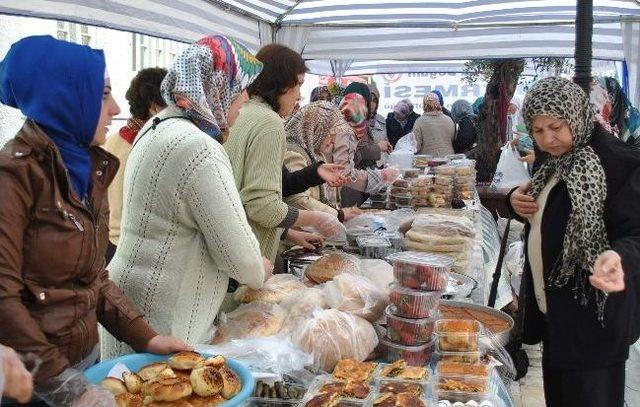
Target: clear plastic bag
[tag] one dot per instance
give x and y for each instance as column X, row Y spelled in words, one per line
column 300, row 308
column 437, row 243
column 71, row 388
column 257, row 319
column 330, row 265
column 268, row 358
column 395, row 219
column 356, row 295
column 407, row 143
column 275, row 289
column 444, row 225
column 379, row 272
column 366, row 221
column 333, row 335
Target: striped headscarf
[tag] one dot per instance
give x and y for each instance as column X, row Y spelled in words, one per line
column 206, row 78
column 354, row 109
column 309, row 127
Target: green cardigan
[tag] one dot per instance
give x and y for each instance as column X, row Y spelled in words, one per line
column 256, row 148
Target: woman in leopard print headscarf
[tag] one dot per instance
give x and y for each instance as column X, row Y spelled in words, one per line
column 582, row 275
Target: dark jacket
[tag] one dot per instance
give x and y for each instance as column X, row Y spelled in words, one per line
column 299, row 181
column 573, row 337
column 367, row 154
column 395, row 130
column 54, row 288
column 466, row 136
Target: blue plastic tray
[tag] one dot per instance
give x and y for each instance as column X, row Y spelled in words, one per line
column 95, row 374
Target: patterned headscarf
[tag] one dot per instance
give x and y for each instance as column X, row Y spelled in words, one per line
column 309, row 127
column 431, row 103
column 581, row 170
column 402, row 110
column 319, row 92
column 460, row 109
column 354, row 109
column 205, row 79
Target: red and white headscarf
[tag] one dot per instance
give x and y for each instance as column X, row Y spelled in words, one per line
column 354, row 110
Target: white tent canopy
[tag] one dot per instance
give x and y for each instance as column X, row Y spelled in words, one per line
column 372, row 36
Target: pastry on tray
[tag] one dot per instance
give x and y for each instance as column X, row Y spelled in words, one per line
column 398, row 387
column 349, row 369
column 400, row 370
column 466, row 369
column 324, row 400
column 398, row 400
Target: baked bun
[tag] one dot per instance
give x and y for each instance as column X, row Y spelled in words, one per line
column 129, row 400
column 327, row 267
column 149, row 372
column 356, row 295
column 197, row 401
column 183, row 374
column 133, row 382
column 275, row 289
column 177, row 403
column 115, row 386
column 169, row 389
column 215, row 362
column 206, row 381
column 231, row 383
column 185, row 360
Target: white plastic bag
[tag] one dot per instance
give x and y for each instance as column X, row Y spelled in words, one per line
column 511, row 172
column 356, row 295
column 407, row 143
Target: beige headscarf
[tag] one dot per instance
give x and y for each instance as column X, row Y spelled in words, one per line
column 431, row 103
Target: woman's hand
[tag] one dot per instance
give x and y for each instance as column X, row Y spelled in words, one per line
column 608, row 275
column 529, row 158
column 268, row 268
column 389, row 174
column 304, row 239
column 523, row 204
column 350, row 213
column 332, row 174
column 385, row 146
column 163, row 345
column 18, row 382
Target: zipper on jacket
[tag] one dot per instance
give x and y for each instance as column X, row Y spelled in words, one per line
column 83, row 346
column 73, row 219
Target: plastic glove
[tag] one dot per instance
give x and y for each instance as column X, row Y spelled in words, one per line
column 389, row 175
column 16, row 381
column 329, row 226
column 71, row 388
column 96, row 396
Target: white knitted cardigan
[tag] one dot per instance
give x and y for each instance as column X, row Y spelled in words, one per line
column 184, row 232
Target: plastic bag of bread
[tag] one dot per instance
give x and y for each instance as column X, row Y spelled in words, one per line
column 332, row 335
column 379, row 272
column 436, row 243
column 256, row 319
column 443, row 225
column 275, row 289
column 300, row 307
column 330, row 265
column 356, row 295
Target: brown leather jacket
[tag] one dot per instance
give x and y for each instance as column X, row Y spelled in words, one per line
column 54, row 288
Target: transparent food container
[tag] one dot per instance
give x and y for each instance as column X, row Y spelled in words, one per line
column 461, row 388
column 460, row 357
column 401, row 200
column 395, row 238
column 436, row 162
column 374, row 247
column 457, row 335
column 419, row 270
column 324, row 385
column 415, row 304
column 411, row 172
column 413, row 355
column 408, row 331
column 354, row 234
column 421, row 160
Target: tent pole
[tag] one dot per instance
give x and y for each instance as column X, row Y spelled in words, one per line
column 584, row 44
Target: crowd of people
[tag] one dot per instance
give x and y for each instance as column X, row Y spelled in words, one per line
column 219, row 168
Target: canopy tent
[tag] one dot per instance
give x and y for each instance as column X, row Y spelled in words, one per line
column 345, row 37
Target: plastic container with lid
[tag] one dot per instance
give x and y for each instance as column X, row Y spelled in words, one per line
column 408, row 331
column 460, row 357
column 402, row 200
column 447, row 169
column 457, row 335
column 410, row 303
column 355, row 233
column 436, row 162
column 413, row 355
column 419, row 270
column 411, row 172
column 461, row 388
column 327, row 384
column 374, row 247
column 421, row 160
column 423, row 181
column 397, row 386
column 395, row 238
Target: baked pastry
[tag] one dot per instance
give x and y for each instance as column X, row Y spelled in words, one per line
column 115, row 386
column 275, row 289
column 465, row 369
column 129, row 400
column 151, row 371
column 206, row 381
column 356, row 295
column 462, row 385
column 397, row 387
column 183, row 374
column 185, row 360
column 408, row 400
column 356, row 390
column 413, row 373
column 393, row 369
column 169, row 389
column 256, row 319
column 327, row 267
column 492, row 322
column 230, row 383
column 349, row 369
column 457, row 335
column 177, row 403
column 332, row 335
column 132, row 381
column 301, row 306
column 214, row 361
column 324, row 400
column 333, row 387
column 197, row 401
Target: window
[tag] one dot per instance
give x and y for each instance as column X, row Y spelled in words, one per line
column 60, row 25
column 159, row 58
column 143, row 59
column 84, row 29
column 73, row 37
column 63, row 35
column 86, row 39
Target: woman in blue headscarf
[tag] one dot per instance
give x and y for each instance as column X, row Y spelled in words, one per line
column 467, row 129
column 54, row 288
column 441, row 100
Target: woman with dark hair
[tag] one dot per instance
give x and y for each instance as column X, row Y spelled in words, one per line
column 400, row 122
column 54, row 288
column 581, row 281
column 256, row 149
column 145, row 101
column 467, row 130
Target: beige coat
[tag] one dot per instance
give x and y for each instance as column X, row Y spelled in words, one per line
column 310, row 199
column 434, row 133
column 119, row 147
